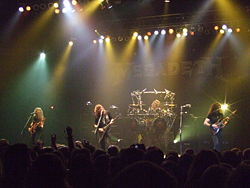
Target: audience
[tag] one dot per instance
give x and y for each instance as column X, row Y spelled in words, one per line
column 80, row 164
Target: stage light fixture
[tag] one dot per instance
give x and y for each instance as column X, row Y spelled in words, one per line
column 230, row 30
column 43, row 6
column 94, row 41
column 146, row 37
column 74, row 2
column 139, row 37
column 156, row 32
column 185, row 30
column 184, row 34
column 135, row 34
column 222, row 31
column 171, row 31
column 102, row 37
column 216, row 28
column 56, row 5
column 224, row 107
column 21, row 9
column 163, row 32
column 28, row 8
column 42, row 55
column 192, row 33
column 71, row 43
column 224, row 27
column 57, row 11
column 100, row 41
column 120, row 38
column 178, row 35
column 107, row 39
column 64, row 10
column 238, row 30
column 149, row 33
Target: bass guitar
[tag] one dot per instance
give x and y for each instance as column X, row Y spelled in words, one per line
column 221, row 123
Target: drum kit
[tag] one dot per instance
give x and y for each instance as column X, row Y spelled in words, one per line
column 156, row 117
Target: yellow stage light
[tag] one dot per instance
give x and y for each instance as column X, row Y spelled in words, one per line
column 74, row 2
column 146, row 37
column 56, row 5
column 178, row 35
column 184, row 30
column 238, row 30
column 57, row 11
column 71, row 43
column 216, row 28
column 224, row 107
column 171, row 31
column 107, row 39
column 28, row 8
column 135, row 34
column 222, row 31
column 94, row 41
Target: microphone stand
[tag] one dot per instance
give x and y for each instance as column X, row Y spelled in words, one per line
column 180, row 129
column 26, row 124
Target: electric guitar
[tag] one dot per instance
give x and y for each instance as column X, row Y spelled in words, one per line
column 106, row 129
column 34, row 125
column 221, row 123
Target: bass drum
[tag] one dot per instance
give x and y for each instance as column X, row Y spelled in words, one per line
column 159, row 126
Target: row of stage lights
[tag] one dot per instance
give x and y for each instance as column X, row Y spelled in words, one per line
column 67, row 6
column 183, row 33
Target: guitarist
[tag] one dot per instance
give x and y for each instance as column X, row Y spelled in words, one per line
column 213, row 121
column 37, row 124
column 102, row 119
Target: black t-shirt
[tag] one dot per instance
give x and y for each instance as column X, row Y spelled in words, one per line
column 214, row 117
column 104, row 119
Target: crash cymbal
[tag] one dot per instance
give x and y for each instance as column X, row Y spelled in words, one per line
column 170, row 104
column 136, row 105
column 113, row 107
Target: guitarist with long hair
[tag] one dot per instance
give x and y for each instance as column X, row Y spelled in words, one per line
column 103, row 120
column 215, row 121
column 37, row 124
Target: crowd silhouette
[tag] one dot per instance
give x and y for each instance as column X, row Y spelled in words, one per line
column 80, row 164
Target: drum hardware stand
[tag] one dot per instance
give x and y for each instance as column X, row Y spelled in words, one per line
column 181, row 122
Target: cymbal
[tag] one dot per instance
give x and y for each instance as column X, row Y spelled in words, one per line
column 136, row 105
column 170, row 104
column 113, row 107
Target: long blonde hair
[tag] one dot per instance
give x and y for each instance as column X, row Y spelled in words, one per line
column 98, row 108
column 39, row 113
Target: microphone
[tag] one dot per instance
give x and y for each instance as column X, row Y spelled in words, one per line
column 32, row 113
column 187, row 105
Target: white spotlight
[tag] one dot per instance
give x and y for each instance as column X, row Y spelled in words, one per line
column 64, row 10
column 100, row 41
column 224, row 27
column 139, row 37
column 230, row 30
column 21, row 9
column 102, row 37
column 42, row 55
column 163, row 32
column 156, row 32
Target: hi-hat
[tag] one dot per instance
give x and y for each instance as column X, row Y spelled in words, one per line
column 113, row 107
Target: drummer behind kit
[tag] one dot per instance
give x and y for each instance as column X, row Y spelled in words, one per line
column 157, row 120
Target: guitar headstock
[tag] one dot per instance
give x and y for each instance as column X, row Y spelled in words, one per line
column 234, row 112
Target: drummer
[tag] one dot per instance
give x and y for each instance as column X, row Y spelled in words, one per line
column 155, row 106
